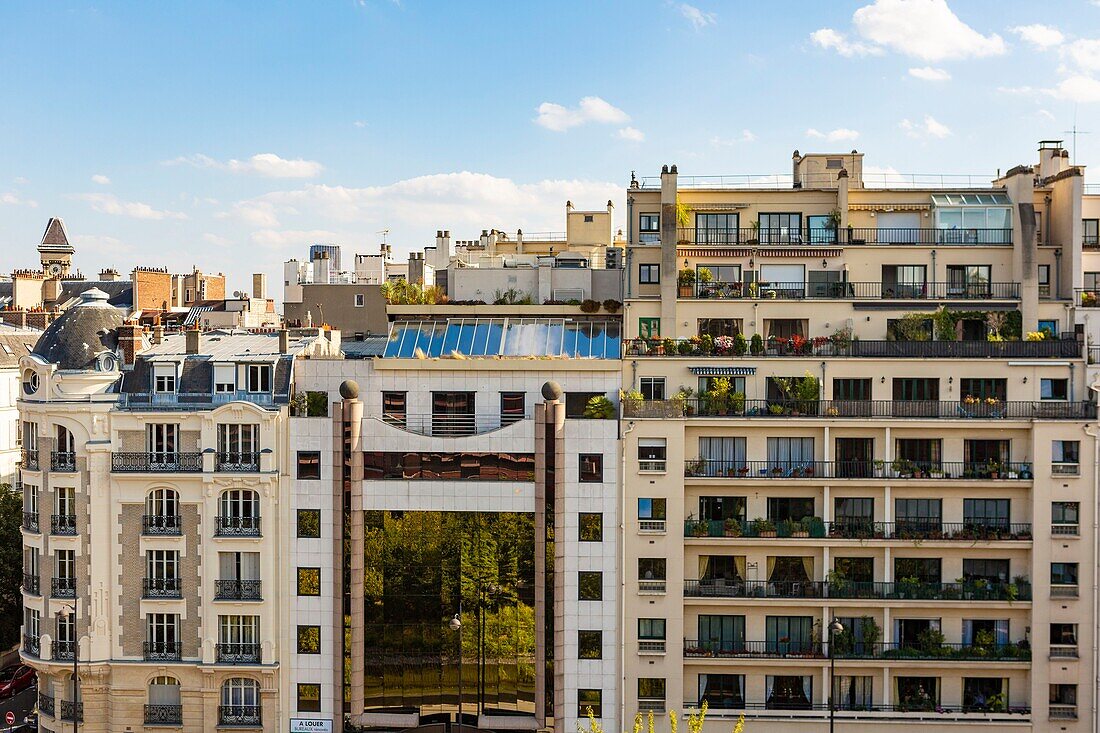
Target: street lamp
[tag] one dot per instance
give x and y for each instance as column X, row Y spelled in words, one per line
column 456, row 625
column 63, row 614
column 834, row 628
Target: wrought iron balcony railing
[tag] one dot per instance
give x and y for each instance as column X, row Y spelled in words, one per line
column 64, row 650
column 29, row 460
column 846, row 290
column 31, row 645
column 739, row 407
column 815, row 237
column 161, row 524
column 239, row 526
column 63, row 524
column 903, row 590
column 819, row 346
column 64, row 587
column 161, row 651
column 237, row 653
column 139, row 462
column 30, row 522
column 240, row 715
column 30, row 583
column 162, row 588
column 62, row 462
column 238, row 462
column 45, row 703
column 871, row 469
column 72, row 710
column 163, row 714
column 858, row 529
column 237, row 590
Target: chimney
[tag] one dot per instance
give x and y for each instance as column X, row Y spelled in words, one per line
column 259, row 286
column 129, row 341
column 610, row 206
column 519, row 241
column 158, row 334
column 192, row 336
column 796, row 164
column 284, row 341
column 109, row 275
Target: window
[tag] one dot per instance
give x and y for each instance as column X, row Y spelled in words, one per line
column 649, row 223
column 917, row 388
column 722, row 691
column 30, row 381
column 652, row 568
column 716, row 327
column 162, row 565
column 1065, row 515
column 923, row 569
column 721, row 633
column 242, row 696
column 588, row 219
column 309, row 639
column 918, row 693
column 992, row 571
column 649, row 328
column 65, row 501
column 1063, row 634
column 164, row 377
column 393, row 408
column 788, row 692
column 1044, row 281
column 982, row 694
column 240, row 503
column 790, row 508
column 987, row 512
column 66, row 564
column 1050, row 327
column 309, row 523
column 651, row 454
column 855, row 569
column 225, row 378
column 780, row 228
column 721, row 508
column 1063, row 573
column 651, row 688
column 238, row 444
column 1091, row 229
column 576, row 402
column 653, row 388
column 1054, row 389
column 591, row 527
column 513, row 407
column 162, row 633
column 309, row 465
column 309, row 581
column 590, row 584
column 969, row 281
column 651, row 629
column 716, row 228
column 161, row 442
column 259, row 378
column 649, row 274
column 360, row 301
column 591, row 468
column 239, row 638
column 653, row 508
column 164, row 691
column 918, row 514
column 1065, row 456
column 1063, row 694
column 590, row 644
column 851, row 389
column 589, row 701
column 309, row 697
column 853, row 510
column 790, row 452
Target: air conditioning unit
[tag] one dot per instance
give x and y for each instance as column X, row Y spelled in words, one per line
column 613, row 259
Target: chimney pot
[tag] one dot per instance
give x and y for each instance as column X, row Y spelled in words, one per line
column 672, row 169
column 284, row 341
column 664, row 169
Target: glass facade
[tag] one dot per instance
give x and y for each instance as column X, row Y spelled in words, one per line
column 565, row 337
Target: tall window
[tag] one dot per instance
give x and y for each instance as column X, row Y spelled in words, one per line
column 716, row 228
column 394, row 408
column 164, row 691
column 649, row 274
column 1091, row 229
column 161, row 442
column 591, row 468
column 239, row 631
column 162, row 633
column 259, row 378
column 65, row 499
column 309, row 696
column 241, row 695
column 780, row 228
column 236, row 441
column 162, row 565
column 513, row 407
column 649, row 228
column 164, row 378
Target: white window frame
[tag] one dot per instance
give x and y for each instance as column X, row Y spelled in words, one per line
column 162, row 440
column 65, row 563
column 162, row 503
column 162, row 564
column 257, row 375
column 225, row 378
column 65, row 501
column 238, row 438
column 162, row 628
column 360, row 300
column 164, row 378
column 239, row 503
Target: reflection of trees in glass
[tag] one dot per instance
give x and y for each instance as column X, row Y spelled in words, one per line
column 418, row 564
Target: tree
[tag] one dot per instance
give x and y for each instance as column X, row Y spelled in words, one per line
column 11, row 565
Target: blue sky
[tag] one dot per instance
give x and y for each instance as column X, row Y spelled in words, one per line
column 232, row 136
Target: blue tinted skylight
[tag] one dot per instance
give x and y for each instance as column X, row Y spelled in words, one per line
column 515, row 337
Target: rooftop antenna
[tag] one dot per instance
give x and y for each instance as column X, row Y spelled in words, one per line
column 1075, row 132
column 384, row 233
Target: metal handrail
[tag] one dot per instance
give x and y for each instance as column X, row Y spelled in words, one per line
column 144, row 462
column 63, row 462
column 237, row 526
column 819, row 346
column 163, row 714
column 29, row 460
column 847, row 290
column 867, row 469
column 740, row 407
column 239, row 715
column 804, row 236
column 238, row 462
column 30, row 522
column 948, row 651
column 754, row 649
column 161, row 651
column 63, row 587
column 894, row 591
column 887, row 180
column 162, row 588
column 913, row 706
column 63, row 524
column 237, row 653
column 31, row 583
column 858, row 529
column 237, row 590
column 161, row 524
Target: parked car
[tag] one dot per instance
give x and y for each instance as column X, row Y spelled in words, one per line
column 15, row 679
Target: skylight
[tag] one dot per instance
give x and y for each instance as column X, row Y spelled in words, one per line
column 515, row 337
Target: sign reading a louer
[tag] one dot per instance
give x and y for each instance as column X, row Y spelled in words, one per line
column 310, row 725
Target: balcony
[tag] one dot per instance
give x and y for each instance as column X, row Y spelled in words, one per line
column 948, row 652
column 238, row 462
column 72, row 711
column 1063, row 591
column 62, row 462
column 1065, row 530
column 63, row 650
column 1086, row 298
column 159, row 525
column 243, row 526
column 161, row 651
column 31, row 645
column 162, row 588
column 827, row 346
column 63, row 525
column 904, row 590
column 30, row 584
column 738, row 407
column 874, row 469
column 766, row 290
column 813, row 527
column 753, row 649
column 237, row 653
column 163, row 715
column 29, row 461
column 650, row 646
column 30, row 522
column 450, row 425
column 1063, row 651
column 237, row 590
column 243, row 716
column 135, row 462
column 1063, row 712
column 45, row 704
column 63, row 587
column 805, row 237
column 820, row 711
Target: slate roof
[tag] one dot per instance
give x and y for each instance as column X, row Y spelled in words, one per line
column 74, row 339
column 54, row 238
column 12, row 346
column 120, row 292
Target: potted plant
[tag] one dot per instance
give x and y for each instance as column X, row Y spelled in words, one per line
column 737, row 403
column 732, row 527
column 880, row 467
column 601, row 408
column 756, row 344
column 802, row 529
column 762, row 527
column 743, row 471
column 706, row 280
column 670, row 348
column 718, row 396
column 685, row 279
column 740, row 344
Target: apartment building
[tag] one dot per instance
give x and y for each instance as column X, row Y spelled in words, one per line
column 859, row 438
column 14, row 344
column 482, row 513
column 152, row 473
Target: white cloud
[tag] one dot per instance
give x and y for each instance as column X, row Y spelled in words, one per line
column 101, row 246
column 632, row 134
column 217, row 239
column 929, row 127
column 699, row 19
column 1046, row 115
column 923, row 29
column 1077, row 88
column 746, row 136
column 929, row 73
column 11, row 199
column 883, row 175
column 106, row 203
column 1085, row 53
column 253, row 212
column 101, row 179
column 20, row 180
column 360, row 123
column 837, row 135
column 268, row 165
column 1039, row 35
column 590, row 109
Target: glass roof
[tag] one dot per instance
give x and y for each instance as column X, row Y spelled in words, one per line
column 517, row 337
column 971, row 199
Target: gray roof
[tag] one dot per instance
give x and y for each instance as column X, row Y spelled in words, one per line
column 370, row 346
column 54, row 238
column 81, row 333
column 13, row 346
column 225, row 345
column 120, row 292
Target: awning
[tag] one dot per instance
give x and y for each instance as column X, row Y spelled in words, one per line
column 713, row 371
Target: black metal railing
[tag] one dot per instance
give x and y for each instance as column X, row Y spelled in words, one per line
column 857, row 529
column 140, row 462
column 242, row 715
column 735, row 405
column 64, row 587
column 237, row 653
column 45, row 704
column 29, row 461
column 237, row 590
column 805, row 236
column 450, row 425
column 31, row 645
column 63, row 524
column 31, row 583
column 162, row 588
column 775, row 649
column 30, row 521
column 848, row 649
column 819, row 346
column 238, row 526
column 72, row 710
column 872, row 469
column 846, row 290
column 1086, row 298
column 64, row 650
column 62, row 462
column 161, row 524
column 903, row 590
column 923, row 705
column 161, row 651
column 163, row 714
column 238, row 462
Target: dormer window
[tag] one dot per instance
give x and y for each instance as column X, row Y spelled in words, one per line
column 164, row 378
column 225, row 379
column 30, row 381
column 259, row 378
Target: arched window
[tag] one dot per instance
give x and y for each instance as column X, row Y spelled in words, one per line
column 162, row 512
column 239, row 512
column 164, row 705
column 240, row 702
column 30, row 381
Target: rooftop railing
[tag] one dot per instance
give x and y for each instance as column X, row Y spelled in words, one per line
column 903, row 590
column 766, row 290
column 868, row 469
column 861, row 409
column 941, row 181
column 819, row 346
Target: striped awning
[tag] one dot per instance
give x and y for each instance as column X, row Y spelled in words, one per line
column 889, row 207
column 763, row 251
column 718, row 371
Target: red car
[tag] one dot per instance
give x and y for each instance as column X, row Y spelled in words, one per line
column 15, row 679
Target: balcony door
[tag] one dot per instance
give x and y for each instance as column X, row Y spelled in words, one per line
column 898, row 227
column 453, row 413
column 162, row 442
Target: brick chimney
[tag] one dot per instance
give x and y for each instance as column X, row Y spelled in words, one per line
column 284, row 341
column 129, row 341
column 192, row 338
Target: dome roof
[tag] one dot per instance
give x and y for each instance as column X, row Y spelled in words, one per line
column 81, row 332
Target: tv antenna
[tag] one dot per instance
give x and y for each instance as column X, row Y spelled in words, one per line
column 1075, row 132
column 384, row 233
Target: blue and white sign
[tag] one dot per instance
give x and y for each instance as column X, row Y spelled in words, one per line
column 310, row 725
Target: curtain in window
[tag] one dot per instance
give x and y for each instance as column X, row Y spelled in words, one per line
column 968, row 632
column 704, row 565
column 164, row 692
column 227, row 566
column 790, row 450
column 771, row 567
column 808, row 688
column 739, row 563
column 808, row 566
column 721, row 454
column 1001, row 631
column 769, row 687
column 250, row 566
